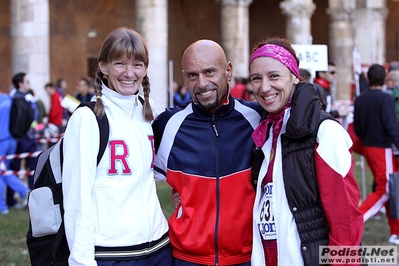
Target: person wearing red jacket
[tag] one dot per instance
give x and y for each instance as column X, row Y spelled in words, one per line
column 322, row 83
column 376, row 126
column 56, row 111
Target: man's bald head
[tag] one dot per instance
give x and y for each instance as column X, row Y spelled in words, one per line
column 204, row 49
column 206, row 74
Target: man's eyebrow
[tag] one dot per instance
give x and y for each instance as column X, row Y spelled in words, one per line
column 210, row 68
column 188, row 72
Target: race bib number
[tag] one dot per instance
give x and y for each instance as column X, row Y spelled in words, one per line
column 265, row 215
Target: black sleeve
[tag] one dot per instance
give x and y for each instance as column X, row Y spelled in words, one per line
column 389, row 119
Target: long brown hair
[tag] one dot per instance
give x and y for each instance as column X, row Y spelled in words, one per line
column 119, row 42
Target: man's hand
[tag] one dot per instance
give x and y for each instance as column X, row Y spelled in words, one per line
column 175, row 198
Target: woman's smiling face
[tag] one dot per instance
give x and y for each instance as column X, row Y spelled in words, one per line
column 273, row 83
column 125, row 75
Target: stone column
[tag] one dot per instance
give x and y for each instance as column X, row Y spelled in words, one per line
column 30, row 45
column 298, row 14
column 369, row 32
column 341, row 46
column 235, row 34
column 152, row 24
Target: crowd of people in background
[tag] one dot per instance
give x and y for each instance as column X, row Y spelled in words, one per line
column 46, row 129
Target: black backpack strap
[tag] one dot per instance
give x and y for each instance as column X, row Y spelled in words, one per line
column 58, row 238
column 103, row 126
column 61, row 232
column 141, row 99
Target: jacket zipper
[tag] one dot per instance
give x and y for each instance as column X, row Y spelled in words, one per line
column 214, row 126
column 217, row 191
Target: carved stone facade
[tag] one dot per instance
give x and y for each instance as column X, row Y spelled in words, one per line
column 154, row 30
column 235, row 34
column 341, row 47
column 299, row 13
column 369, row 34
column 30, row 45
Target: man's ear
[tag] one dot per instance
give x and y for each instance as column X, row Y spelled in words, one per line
column 229, row 71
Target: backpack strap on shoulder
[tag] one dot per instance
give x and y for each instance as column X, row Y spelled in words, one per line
column 141, row 99
column 104, row 135
column 103, row 126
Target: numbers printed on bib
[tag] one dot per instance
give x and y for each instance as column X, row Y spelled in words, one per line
column 265, row 215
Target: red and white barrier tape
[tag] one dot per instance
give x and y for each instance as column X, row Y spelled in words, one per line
column 43, row 141
column 39, row 139
column 21, row 173
column 47, row 138
column 53, row 135
column 20, row 156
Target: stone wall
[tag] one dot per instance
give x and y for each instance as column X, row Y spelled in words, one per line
column 5, row 59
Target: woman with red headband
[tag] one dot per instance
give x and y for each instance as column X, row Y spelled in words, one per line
column 306, row 193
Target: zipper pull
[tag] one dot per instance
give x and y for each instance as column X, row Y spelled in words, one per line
column 214, row 126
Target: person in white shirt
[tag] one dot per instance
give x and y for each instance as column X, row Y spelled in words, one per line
column 112, row 213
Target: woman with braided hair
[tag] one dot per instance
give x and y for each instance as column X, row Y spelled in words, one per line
column 112, row 213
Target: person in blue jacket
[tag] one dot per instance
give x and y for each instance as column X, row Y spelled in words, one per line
column 8, row 146
column 27, row 143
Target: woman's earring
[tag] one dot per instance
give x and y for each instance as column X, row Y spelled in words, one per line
column 105, row 76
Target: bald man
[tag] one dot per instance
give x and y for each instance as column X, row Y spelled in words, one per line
column 204, row 152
